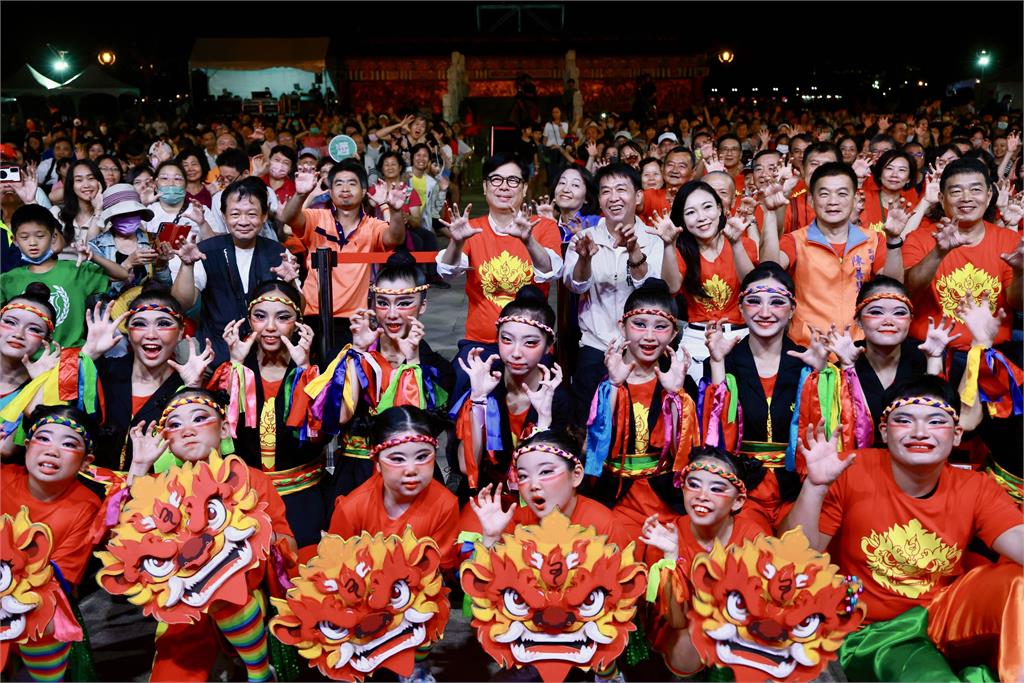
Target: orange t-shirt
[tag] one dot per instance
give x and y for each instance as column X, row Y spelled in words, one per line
column 499, row 267
column 768, row 384
column 270, row 389
column 516, row 422
column 654, row 201
column 351, row 281
column 588, row 512
column 742, row 530
column 906, row 549
column 642, row 396
column 720, row 281
column 69, row 517
column 434, row 514
column 137, row 403
column 964, row 270
column 873, row 215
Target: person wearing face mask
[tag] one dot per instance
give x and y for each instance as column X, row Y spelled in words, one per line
column 281, row 172
column 125, row 241
column 171, row 205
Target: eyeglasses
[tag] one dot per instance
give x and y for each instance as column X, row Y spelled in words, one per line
column 513, row 181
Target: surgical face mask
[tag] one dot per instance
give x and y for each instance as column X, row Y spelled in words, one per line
column 314, row 130
column 172, row 195
column 278, row 170
column 782, row 149
column 41, row 259
column 125, row 225
column 1002, row 125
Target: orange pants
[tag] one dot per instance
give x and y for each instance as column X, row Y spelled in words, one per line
column 981, row 616
column 186, row 652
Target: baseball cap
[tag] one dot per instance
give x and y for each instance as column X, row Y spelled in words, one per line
column 667, row 136
column 624, row 134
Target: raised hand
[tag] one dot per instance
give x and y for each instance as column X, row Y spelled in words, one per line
column 737, row 226
column 409, row 343
column 194, row 212
column 1013, row 212
column 1003, row 193
column 719, row 345
column 189, row 252
column 306, row 182
column 27, row 186
column 191, row 371
column 947, row 235
column 821, row 457
column 260, row 166
column 931, row 187
column 979, row 319
column 712, row 163
column 493, row 519
column 299, row 352
column 938, row 337
column 288, row 269
column 664, row 537
column 460, row 228
column 102, row 333
column 482, row 379
column 584, row 246
column 238, row 348
column 883, row 124
column 673, row 379
column 1015, row 258
column 47, row 360
column 618, row 370
column 815, row 355
column 542, row 398
column 147, row 447
column 862, row 167
column 545, row 208
column 398, row 196
column 897, row 217
column 841, row 344
column 664, row 227
column 85, row 254
column 522, row 225
column 363, row 334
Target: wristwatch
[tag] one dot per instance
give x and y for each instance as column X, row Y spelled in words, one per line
column 894, row 244
column 631, row 265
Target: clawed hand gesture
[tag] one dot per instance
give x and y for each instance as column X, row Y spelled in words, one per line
column 979, row 319
column 300, row 350
column 306, row 182
column 482, row 379
column 815, row 355
column 664, row 227
column 736, row 226
column 194, row 212
column 1015, row 258
column 673, row 379
column 618, row 369
column 363, row 334
column 459, row 227
column 719, row 345
column 189, row 252
column 938, row 337
column 288, row 269
column 238, row 348
column 664, row 537
column 841, row 344
column 947, row 235
column 897, row 218
column 191, row 371
column 147, row 447
column 493, row 518
column 102, row 333
column 409, row 343
column 522, row 225
column 862, row 166
column 821, row 457
column 544, row 207
column 584, row 246
column 47, row 360
column 542, row 398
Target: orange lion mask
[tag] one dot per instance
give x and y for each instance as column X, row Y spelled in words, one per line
column 364, row 603
column 772, row 608
column 186, row 538
column 554, row 595
column 30, row 597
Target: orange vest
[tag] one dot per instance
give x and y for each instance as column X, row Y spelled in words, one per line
column 826, row 284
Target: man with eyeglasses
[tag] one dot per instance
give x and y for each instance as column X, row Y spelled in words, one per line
column 677, row 169
column 500, row 254
column 730, row 152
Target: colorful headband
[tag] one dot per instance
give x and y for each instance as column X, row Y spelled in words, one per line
column 757, row 289
column 188, row 400
column 526, row 321
column 275, row 299
column 883, row 295
column 919, row 401
column 399, row 440
column 649, row 311
column 544, row 448
column 31, row 309
column 141, row 308
column 67, row 422
column 705, row 466
column 397, row 292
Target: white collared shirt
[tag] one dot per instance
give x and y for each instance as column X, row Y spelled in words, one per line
column 603, row 296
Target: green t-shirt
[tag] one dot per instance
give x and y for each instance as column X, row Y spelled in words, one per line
column 70, row 287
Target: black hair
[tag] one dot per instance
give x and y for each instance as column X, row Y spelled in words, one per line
column 557, row 438
column 416, row 148
column 590, row 188
column 764, row 153
column 38, row 294
column 843, row 138
column 64, row 411
column 729, row 136
column 963, row 166
column 233, row 158
column 618, row 169
column 352, row 166
column 531, row 303
column 135, row 171
column 493, row 163
column 687, row 243
column 923, row 386
column 822, row 148
column 653, row 293
column 633, row 145
column 748, row 470
column 111, row 157
column 829, row 169
column 390, row 154
column 200, row 156
column 217, row 396
column 880, row 282
column 155, row 293
column 243, row 188
column 766, row 270
column 887, row 158
column 277, row 286
column 33, row 213
column 802, row 137
column 401, row 420
column 681, row 149
column 70, row 206
column 288, row 152
column 648, row 160
column 401, row 266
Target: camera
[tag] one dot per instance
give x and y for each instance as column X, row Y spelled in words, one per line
column 10, row 174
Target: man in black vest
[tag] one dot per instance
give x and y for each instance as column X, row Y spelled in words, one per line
column 222, row 270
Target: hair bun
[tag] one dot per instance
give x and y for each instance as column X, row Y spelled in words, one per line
column 529, row 294
column 655, row 285
column 401, row 257
column 37, row 290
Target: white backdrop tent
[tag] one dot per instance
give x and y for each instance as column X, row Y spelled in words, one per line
column 245, row 65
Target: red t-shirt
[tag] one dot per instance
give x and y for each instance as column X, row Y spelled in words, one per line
column 720, row 281
column 689, row 547
column 964, row 270
column 434, row 514
column 768, row 384
column 499, row 267
column 642, row 396
column 874, row 213
column 69, row 517
column 270, row 389
column 907, row 549
column 654, row 201
column 137, row 403
column 588, row 512
column 516, row 422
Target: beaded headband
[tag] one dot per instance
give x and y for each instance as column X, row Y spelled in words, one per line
column 526, row 321
column 883, row 295
column 919, row 401
column 270, row 298
column 544, row 448
column 758, row 289
column 649, row 311
column 399, row 440
column 31, row 309
column 65, row 421
column 141, row 308
column 184, row 401
column 397, row 292
column 705, row 466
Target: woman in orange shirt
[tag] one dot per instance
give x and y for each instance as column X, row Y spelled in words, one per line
column 894, row 177
column 713, row 256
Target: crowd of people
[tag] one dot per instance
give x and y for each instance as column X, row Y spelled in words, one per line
column 764, row 319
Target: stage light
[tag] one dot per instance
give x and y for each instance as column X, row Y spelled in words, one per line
column 106, row 57
column 726, row 57
column 60, row 65
column 984, row 58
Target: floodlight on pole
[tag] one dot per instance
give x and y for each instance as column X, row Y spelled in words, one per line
column 106, row 57
column 726, row 56
column 984, row 58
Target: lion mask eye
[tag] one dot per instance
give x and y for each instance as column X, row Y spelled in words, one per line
column 400, row 594
column 332, row 631
column 594, row 603
column 514, row 603
column 735, row 607
column 216, row 514
column 807, row 627
column 5, row 576
column 157, row 567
